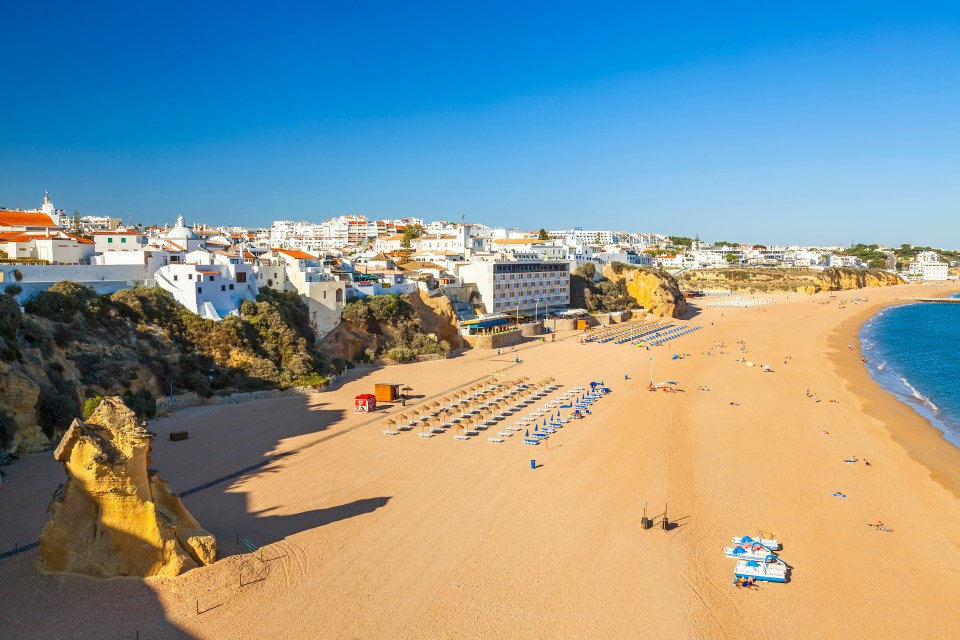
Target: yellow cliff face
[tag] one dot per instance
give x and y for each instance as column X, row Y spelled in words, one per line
column 835, row 279
column 19, row 397
column 654, row 291
column 114, row 517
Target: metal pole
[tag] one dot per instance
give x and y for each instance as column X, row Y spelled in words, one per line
column 651, row 369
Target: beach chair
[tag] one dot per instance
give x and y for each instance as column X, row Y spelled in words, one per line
column 424, row 434
column 461, row 437
column 531, row 441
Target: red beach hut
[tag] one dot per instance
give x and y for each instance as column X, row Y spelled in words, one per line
column 364, row 403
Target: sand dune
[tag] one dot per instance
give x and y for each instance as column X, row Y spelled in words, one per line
column 373, row 536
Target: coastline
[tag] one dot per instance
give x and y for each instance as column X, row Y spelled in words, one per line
column 414, row 537
column 923, row 442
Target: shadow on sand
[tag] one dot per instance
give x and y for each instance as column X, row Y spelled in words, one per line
column 228, row 447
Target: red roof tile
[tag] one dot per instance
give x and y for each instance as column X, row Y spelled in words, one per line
column 25, row 219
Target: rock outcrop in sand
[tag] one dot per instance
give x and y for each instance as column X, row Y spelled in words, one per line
column 655, row 291
column 114, row 516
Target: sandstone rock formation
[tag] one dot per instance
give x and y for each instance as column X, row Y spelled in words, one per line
column 801, row 280
column 835, row 279
column 114, row 516
column 19, row 398
column 437, row 316
column 655, row 291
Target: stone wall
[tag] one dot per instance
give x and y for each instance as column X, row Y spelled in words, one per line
column 496, row 340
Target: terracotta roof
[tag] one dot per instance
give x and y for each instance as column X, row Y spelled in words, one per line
column 25, row 219
column 414, row 265
column 296, row 254
column 117, row 233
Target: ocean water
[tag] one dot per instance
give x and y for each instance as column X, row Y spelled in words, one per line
column 914, row 352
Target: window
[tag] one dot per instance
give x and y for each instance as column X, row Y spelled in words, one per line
column 210, row 278
column 223, row 287
column 190, row 276
column 199, row 289
column 175, row 278
column 123, row 241
column 231, row 287
column 109, row 240
column 241, row 276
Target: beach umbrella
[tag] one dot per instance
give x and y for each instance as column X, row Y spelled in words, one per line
column 527, row 434
column 391, row 421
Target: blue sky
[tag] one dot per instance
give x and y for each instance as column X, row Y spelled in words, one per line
column 821, row 123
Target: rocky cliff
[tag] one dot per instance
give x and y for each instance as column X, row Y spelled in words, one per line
column 655, row 291
column 394, row 328
column 836, row 279
column 799, row 280
column 114, row 516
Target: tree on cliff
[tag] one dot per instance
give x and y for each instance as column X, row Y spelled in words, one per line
column 411, row 233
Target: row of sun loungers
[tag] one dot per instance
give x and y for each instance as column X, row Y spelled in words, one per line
column 648, row 332
column 608, row 334
column 672, row 335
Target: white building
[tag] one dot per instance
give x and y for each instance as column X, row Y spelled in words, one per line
column 312, row 277
column 520, row 286
column 934, row 271
column 211, row 291
column 117, row 240
column 578, row 235
column 54, row 246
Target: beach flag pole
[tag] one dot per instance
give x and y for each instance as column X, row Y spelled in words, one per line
column 651, row 369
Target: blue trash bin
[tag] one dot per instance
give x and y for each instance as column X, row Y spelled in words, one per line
column 533, row 464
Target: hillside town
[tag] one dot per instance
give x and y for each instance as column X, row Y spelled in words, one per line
column 483, row 271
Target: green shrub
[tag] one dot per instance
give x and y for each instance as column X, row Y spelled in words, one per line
column 13, row 290
column 142, row 403
column 8, row 428
column 91, row 405
column 10, row 317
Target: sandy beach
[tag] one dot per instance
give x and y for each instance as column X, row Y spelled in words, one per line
column 363, row 535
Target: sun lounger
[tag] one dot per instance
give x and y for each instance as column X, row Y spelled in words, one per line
column 531, row 441
column 405, row 427
column 492, row 439
column 505, row 434
column 424, row 434
column 390, row 432
column 471, row 433
column 459, row 437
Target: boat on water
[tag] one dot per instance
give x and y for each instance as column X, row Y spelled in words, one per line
column 770, row 569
